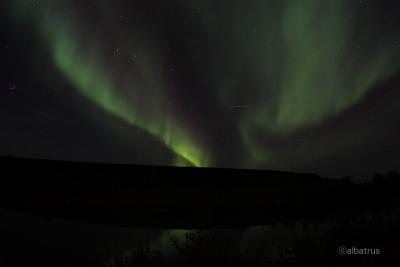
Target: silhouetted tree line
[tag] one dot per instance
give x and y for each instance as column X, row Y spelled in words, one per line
column 358, row 214
column 376, row 228
column 210, row 248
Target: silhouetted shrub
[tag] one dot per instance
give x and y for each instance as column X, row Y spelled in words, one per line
column 141, row 257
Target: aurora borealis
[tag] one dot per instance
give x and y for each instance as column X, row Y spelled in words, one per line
column 294, row 85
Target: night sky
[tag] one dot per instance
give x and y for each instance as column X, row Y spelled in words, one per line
column 310, row 86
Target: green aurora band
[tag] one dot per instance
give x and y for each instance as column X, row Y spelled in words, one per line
column 312, row 61
column 92, row 81
column 145, row 106
column 308, row 58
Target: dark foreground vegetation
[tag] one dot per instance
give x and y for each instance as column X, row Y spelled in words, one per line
column 354, row 215
column 212, row 248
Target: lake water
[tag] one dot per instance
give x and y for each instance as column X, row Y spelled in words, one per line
column 64, row 243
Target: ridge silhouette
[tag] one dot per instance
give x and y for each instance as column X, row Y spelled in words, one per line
column 174, row 197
